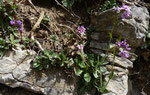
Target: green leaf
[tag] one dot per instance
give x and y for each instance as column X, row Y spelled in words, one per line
column 111, row 75
column 59, row 57
column 49, row 54
column 98, row 62
column 14, row 6
column 87, row 77
column 95, row 73
column 6, row 47
column 91, row 63
column 16, row 41
column 35, row 65
column 46, row 52
column 104, row 63
column 78, row 72
column 82, row 55
column 11, row 37
column 63, row 56
column 103, row 90
column 40, row 67
column 61, row 64
column 103, row 59
column 67, row 3
column 148, row 35
column 103, row 69
column 82, row 64
column 15, row 34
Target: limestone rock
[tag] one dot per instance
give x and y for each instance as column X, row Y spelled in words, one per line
column 5, row 90
column 125, row 63
column 7, row 65
column 133, row 29
column 16, row 71
column 118, row 85
column 101, row 46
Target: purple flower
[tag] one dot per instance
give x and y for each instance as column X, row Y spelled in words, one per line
column 80, row 46
column 124, row 54
column 127, row 12
column 127, row 47
column 123, row 47
column 20, row 29
column 12, row 23
column 125, row 15
column 19, row 23
column 124, row 7
column 123, row 42
column 81, row 29
column 117, row 9
column 118, row 44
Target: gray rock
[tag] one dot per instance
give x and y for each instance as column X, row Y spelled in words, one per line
column 120, row 61
column 16, row 71
column 125, row 63
column 116, row 69
column 118, row 85
column 133, row 29
column 5, row 90
column 101, row 46
column 7, row 65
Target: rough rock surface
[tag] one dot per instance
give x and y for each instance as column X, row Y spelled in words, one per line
column 16, row 71
column 118, row 85
column 132, row 29
column 5, row 90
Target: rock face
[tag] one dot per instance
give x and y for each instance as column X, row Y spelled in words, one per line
column 132, row 29
column 118, row 85
column 5, row 90
column 16, row 71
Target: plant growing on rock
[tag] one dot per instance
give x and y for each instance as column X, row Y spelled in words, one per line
column 108, row 4
column 11, row 27
column 89, row 68
column 8, row 30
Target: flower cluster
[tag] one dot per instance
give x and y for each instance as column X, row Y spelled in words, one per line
column 123, row 47
column 126, row 10
column 81, row 30
column 80, row 47
column 13, row 23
